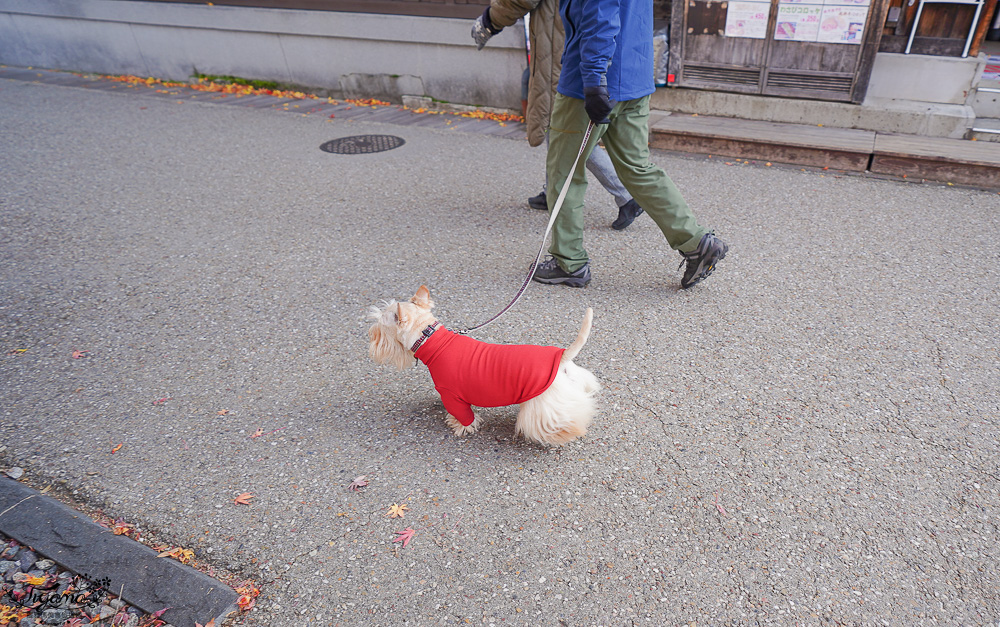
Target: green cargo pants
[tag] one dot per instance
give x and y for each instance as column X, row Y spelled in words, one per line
column 627, row 141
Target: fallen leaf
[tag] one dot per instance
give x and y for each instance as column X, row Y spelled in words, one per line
column 33, row 581
column 358, row 483
column 222, row 412
column 256, row 434
column 80, row 354
column 122, row 528
column 246, row 602
column 404, row 536
column 396, row 511
column 160, row 613
column 248, row 593
column 722, row 510
column 179, row 554
column 210, row 623
column 117, row 448
column 160, row 401
column 243, row 499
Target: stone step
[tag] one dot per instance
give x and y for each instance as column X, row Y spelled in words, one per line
column 986, row 100
column 914, row 157
column 986, row 129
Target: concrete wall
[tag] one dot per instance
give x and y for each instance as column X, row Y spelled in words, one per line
column 923, row 78
column 342, row 54
column 908, row 94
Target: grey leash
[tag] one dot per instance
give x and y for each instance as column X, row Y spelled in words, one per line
column 548, row 229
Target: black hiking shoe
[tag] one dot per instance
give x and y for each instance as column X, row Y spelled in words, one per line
column 539, row 202
column 626, row 214
column 701, row 262
column 550, row 273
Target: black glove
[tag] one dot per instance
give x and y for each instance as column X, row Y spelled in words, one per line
column 597, row 104
column 482, row 29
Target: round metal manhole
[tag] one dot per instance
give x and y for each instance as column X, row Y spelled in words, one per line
column 362, row 144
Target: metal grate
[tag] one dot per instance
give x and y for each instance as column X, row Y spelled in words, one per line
column 362, row 144
column 729, row 76
column 793, row 80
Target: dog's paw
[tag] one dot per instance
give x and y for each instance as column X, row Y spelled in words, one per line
column 459, row 429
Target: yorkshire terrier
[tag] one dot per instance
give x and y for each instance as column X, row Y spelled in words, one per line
column 556, row 395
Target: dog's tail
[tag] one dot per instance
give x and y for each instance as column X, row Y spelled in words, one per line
column 581, row 338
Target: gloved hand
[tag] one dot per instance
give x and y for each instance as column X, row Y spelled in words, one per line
column 482, row 29
column 597, row 104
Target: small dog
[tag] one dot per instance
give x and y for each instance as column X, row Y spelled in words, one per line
column 556, row 395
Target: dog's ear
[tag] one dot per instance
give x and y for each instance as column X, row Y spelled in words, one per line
column 400, row 316
column 422, row 298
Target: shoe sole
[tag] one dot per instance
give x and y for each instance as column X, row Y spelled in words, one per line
column 704, row 274
column 539, row 207
column 568, row 281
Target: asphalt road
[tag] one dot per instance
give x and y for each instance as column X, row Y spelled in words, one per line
column 808, row 437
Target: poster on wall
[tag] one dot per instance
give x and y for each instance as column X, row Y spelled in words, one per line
column 842, row 24
column 747, row 19
column 798, row 22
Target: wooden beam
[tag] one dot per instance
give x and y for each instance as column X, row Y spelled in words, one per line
column 985, row 18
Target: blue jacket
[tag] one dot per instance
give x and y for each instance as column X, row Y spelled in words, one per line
column 608, row 42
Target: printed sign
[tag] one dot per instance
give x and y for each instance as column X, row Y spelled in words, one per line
column 798, row 22
column 842, row 24
column 747, row 19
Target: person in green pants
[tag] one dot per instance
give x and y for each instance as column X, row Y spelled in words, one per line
column 607, row 78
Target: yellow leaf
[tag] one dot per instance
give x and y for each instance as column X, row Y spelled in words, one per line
column 397, row 511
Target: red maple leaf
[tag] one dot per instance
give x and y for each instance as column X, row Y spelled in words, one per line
column 404, row 536
column 358, row 483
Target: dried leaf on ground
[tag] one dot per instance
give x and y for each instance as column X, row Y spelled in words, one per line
column 210, row 623
column 397, row 511
column 404, row 536
column 256, row 434
column 121, row 527
column 243, row 499
column 181, row 555
column 117, row 448
column 80, row 354
column 358, row 483
column 248, row 594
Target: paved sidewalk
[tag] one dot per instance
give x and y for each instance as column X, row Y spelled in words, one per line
column 811, row 436
column 913, row 158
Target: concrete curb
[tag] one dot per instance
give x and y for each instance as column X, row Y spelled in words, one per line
column 78, row 544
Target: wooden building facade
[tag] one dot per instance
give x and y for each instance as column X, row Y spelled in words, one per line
column 816, row 49
column 813, row 49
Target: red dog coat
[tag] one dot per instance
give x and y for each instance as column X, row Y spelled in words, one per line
column 468, row 372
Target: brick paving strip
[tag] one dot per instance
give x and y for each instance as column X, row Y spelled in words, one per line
column 383, row 114
column 78, row 544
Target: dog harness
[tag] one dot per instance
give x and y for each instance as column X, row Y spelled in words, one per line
column 468, row 372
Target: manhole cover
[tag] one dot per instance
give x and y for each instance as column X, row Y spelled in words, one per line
column 362, row 144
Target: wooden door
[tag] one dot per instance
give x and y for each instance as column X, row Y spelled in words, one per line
column 817, row 49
